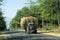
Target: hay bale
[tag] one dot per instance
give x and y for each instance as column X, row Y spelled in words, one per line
column 25, row 20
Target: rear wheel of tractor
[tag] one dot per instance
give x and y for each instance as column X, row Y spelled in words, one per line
column 25, row 31
column 35, row 31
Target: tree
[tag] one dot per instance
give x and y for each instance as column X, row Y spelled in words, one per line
column 49, row 9
column 24, row 12
column 1, row 2
column 2, row 20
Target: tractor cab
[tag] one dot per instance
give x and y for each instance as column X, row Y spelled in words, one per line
column 31, row 28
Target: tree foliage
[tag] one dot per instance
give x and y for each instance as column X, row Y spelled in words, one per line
column 1, row 2
column 2, row 20
column 49, row 8
column 45, row 10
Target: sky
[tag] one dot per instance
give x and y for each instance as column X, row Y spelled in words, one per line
column 10, row 8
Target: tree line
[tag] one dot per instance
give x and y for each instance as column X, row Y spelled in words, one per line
column 47, row 12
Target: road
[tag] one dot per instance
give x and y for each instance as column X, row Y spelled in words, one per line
column 19, row 35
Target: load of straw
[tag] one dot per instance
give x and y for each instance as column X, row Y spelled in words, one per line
column 25, row 20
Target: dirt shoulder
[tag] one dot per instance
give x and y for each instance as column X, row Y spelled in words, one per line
column 53, row 34
column 50, row 33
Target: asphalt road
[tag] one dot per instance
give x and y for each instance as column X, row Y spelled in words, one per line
column 19, row 35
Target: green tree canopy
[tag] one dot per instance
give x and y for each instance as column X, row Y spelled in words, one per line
column 49, row 9
column 2, row 20
column 42, row 9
